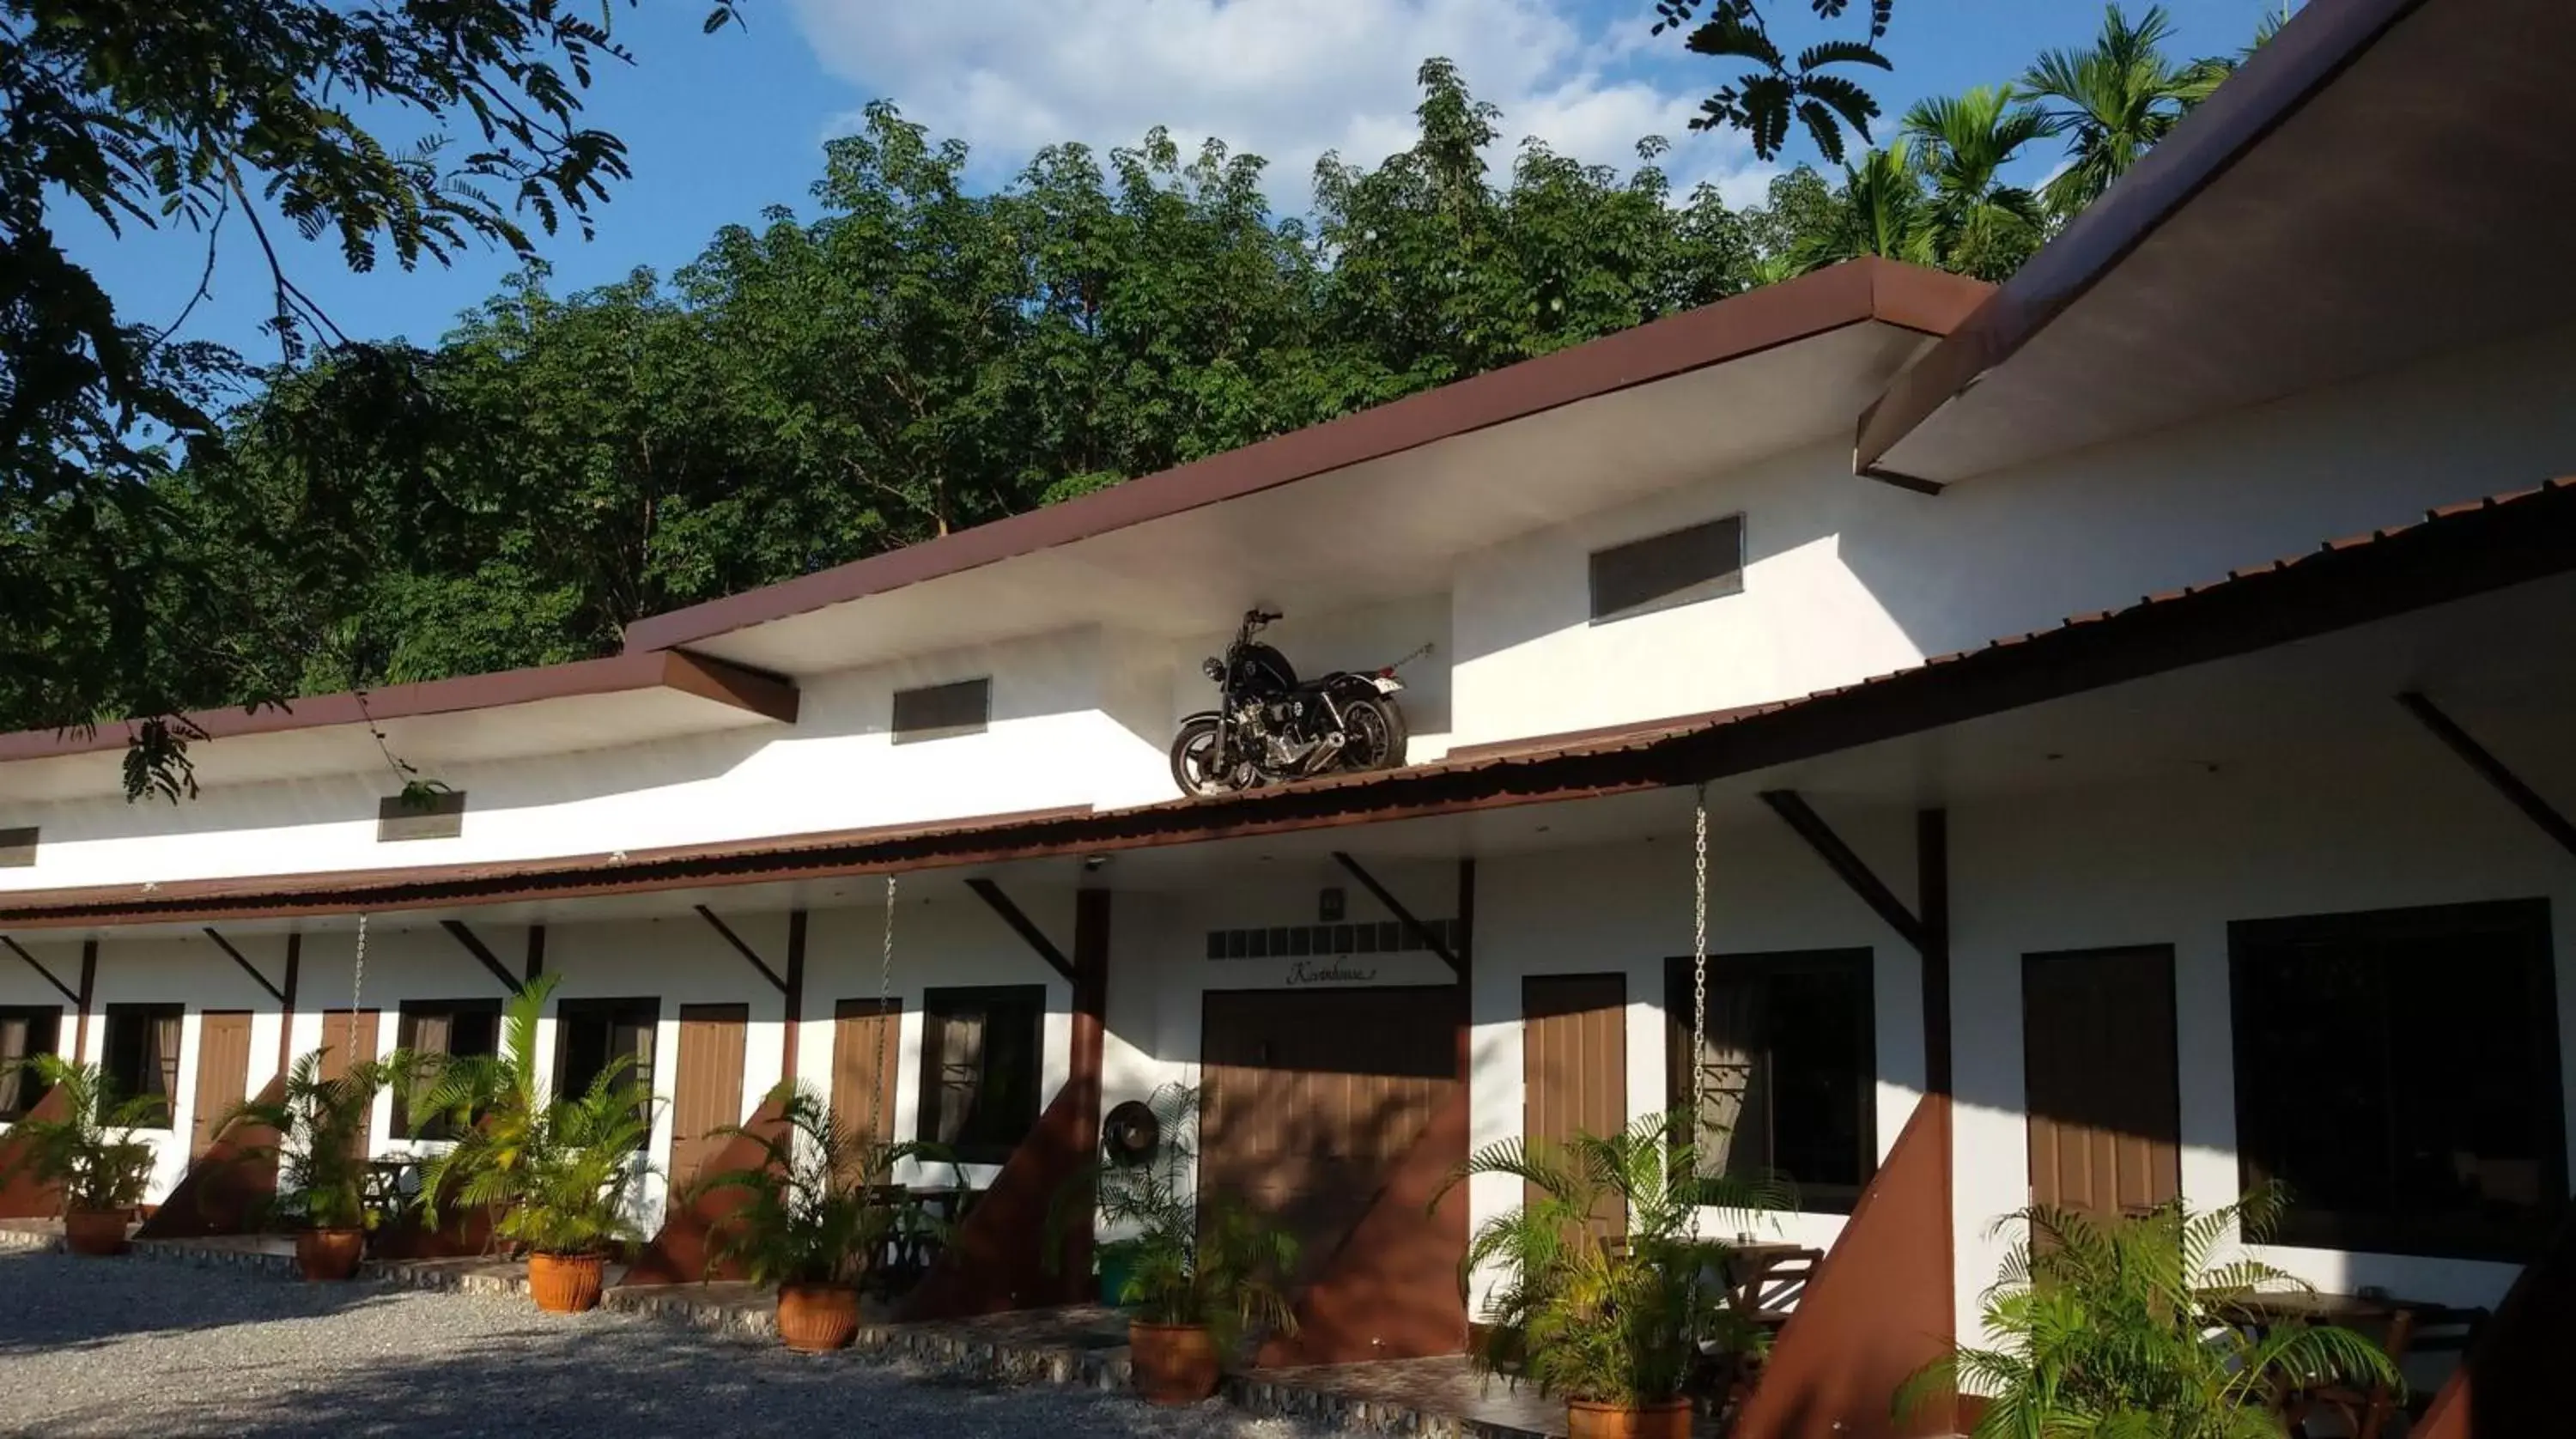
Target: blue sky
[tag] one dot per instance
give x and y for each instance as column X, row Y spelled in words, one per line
column 721, row 126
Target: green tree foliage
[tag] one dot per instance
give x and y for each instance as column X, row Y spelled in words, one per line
column 1981, row 226
column 150, row 114
column 910, row 358
column 1809, row 88
column 2114, row 100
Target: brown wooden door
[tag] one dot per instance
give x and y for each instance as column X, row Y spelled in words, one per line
column 1574, row 1063
column 2100, row 1082
column 336, row 1050
column 223, row 1073
column 867, row 1039
column 706, row 1089
column 1311, row 1097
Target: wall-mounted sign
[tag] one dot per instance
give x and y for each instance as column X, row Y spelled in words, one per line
column 1329, row 971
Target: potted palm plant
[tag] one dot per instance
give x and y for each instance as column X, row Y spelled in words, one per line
column 1203, row 1270
column 815, row 1216
column 2129, row 1327
column 319, row 1146
column 1615, row 1324
column 91, row 1155
column 558, row 1172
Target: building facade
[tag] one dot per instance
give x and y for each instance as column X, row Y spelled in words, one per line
column 2123, row 711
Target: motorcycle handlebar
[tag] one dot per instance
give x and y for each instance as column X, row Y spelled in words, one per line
column 1257, row 617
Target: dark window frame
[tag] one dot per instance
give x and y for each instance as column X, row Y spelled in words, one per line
column 407, row 1038
column 120, row 1085
column 1666, row 571
column 2522, row 928
column 1859, row 965
column 1000, row 1130
column 28, row 1089
column 941, row 711
column 640, row 1011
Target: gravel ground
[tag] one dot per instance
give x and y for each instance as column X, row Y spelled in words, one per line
column 90, row 1347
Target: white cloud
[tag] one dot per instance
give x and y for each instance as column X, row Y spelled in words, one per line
column 1285, row 79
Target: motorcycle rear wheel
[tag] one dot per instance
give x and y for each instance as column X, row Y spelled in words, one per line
column 1374, row 735
column 1198, row 769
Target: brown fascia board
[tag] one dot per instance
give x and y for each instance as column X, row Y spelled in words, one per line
column 726, row 684
column 1925, row 301
column 2317, row 45
column 2455, row 553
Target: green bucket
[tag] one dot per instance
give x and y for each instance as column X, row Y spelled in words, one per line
column 1116, row 1267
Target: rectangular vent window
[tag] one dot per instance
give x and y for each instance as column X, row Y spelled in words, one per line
column 1295, row 941
column 17, row 847
column 1663, row 571
column 942, row 711
column 437, row 815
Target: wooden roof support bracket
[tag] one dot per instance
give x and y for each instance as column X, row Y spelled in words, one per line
column 2494, row 771
column 482, row 952
column 742, row 948
column 1850, row 868
column 21, row 951
column 1422, row 934
column 1026, row 928
column 247, row 967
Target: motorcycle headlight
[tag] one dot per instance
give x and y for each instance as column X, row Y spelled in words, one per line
column 1213, row 668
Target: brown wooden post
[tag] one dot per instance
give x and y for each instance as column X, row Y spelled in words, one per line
column 286, row 1002
column 1932, row 912
column 88, row 999
column 535, row 963
column 793, row 1007
column 1090, row 1043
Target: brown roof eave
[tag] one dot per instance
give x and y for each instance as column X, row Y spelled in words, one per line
column 1928, row 302
column 2455, row 553
column 713, row 680
column 2307, row 54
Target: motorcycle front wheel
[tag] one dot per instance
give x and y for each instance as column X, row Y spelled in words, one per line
column 1197, row 766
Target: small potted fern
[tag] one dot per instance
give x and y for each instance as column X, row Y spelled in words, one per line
column 1614, row 1325
column 91, row 1155
column 1203, row 1270
column 814, row 1218
column 319, row 1147
column 560, row 1173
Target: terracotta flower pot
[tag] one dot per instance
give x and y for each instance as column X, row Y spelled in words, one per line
column 1670, row 1419
column 329, row 1255
column 95, row 1232
column 816, row 1318
column 565, row 1283
column 1173, row 1363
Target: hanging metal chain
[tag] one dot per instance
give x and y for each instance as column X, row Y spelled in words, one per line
column 1699, row 980
column 357, row 993
column 877, row 1126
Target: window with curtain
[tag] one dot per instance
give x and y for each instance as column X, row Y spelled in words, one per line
column 2398, row 1071
column 1786, row 1079
column 592, row 1034
column 980, row 1053
column 24, row 1031
column 457, row 1028
column 142, row 1058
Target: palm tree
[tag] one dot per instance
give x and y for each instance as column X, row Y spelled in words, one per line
column 318, row 1127
column 1982, row 226
column 557, row 1172
column 1880, row 210
column 2129, row 1329
column 2114, row 101
column 1590, row 1316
